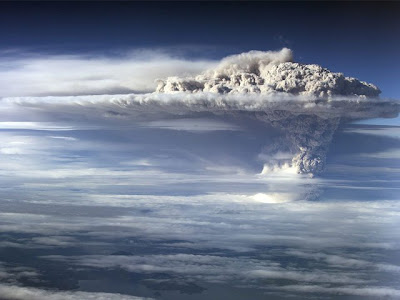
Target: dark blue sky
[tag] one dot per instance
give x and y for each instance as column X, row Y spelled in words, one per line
column 359, row 39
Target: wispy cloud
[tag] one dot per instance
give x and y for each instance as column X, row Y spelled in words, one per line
column 29, row 74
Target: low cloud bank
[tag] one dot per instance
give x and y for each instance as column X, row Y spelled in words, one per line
column 14, row 292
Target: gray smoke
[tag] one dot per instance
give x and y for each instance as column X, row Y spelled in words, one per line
column 307, row 137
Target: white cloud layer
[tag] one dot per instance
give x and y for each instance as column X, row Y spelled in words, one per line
column 297, row 247
column 13, row 292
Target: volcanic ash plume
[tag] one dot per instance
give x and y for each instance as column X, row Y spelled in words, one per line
column 309, row 129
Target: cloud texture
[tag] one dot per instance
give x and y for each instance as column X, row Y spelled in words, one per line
column 13, row 292
column 268, row 72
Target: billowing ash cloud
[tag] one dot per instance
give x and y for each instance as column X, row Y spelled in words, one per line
column 260, row 72
column 306, row 102
column 272, row 73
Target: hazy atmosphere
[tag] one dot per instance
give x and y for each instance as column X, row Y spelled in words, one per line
column 199, row 150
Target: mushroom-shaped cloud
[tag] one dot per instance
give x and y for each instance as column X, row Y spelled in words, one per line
column 306, row 101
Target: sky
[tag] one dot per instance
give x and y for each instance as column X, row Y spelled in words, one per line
column 148, row 153
column 356, row 38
